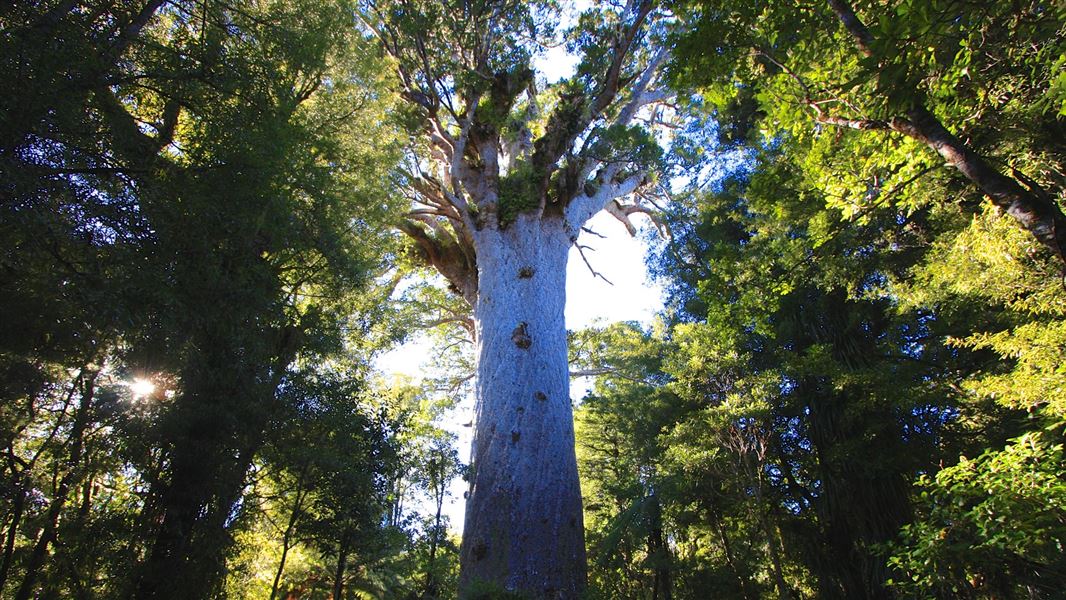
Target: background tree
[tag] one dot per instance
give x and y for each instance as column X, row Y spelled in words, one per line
column 856, row 113
column 783, row 422
column 845, row 316
column 193, row 175
column 948, row 77
column 618, row 427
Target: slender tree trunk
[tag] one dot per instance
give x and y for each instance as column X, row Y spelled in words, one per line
column 783, row 590
column 59, row 500
column 81, row 576
column 286, row 538
column 754, row 467
column 436, row 532
column 662, row 585
column 342, row 564
column 524, row 530
column 431, row 586
column 12, row 533
column 20, row 479
column 727, row 547
column 39, row 551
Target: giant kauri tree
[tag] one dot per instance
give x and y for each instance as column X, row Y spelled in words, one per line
column 504, row 173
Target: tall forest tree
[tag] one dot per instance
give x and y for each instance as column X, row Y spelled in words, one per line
column 192, row 174
column 503, row 177
column 779, row 419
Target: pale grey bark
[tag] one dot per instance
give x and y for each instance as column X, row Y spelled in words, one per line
column 524, row 527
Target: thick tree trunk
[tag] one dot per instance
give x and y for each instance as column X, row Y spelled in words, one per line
column 190, row 541
column 217, row 429
column 524, row 530
column 860, row 507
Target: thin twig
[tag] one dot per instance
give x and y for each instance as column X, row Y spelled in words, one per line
column 595, row 273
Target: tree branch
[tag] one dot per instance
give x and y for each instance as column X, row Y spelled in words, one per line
column 1033, row 209
column 854, row 26
column 585, row 205
column 642, row 96
column 447, row 257
column 622, row 212
column 137, row 147
column 581, row 250
column 134, row 27
column 574, row 112
column 860, row 124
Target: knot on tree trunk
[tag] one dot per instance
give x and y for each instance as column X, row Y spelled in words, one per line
column 520, row 336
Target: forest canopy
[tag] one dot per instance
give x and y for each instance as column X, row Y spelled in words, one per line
column 216, row 215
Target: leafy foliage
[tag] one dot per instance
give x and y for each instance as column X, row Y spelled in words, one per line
column 992, row 527
column 199, row 179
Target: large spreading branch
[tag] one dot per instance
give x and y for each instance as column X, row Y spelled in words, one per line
column 454, row 181
column 612, row 183
column 575, row 112
column 1029, row 204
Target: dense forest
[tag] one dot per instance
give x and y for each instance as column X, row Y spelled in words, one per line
column 215, row 216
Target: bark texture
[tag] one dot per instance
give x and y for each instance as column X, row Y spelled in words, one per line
column 524, row 530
